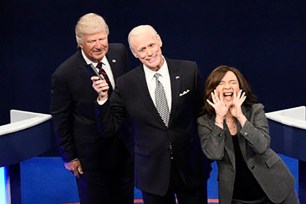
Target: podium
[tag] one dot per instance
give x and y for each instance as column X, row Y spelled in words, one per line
column 288, row 137
column 27, row 135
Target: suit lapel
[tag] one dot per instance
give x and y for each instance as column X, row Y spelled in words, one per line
column 84, row 70
column 140, row 83
column 175, row 80
column 113, row 64
column 85, row 73
column 241, row 140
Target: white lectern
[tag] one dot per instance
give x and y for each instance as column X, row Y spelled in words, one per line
column 288, row 137
column 27, row 135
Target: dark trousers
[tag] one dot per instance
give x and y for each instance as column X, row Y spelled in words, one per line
column 178, row 188
column 291, row 199
column 259, row 201
column 114, row 188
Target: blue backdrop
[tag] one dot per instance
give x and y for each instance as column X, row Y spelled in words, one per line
column 266, row 40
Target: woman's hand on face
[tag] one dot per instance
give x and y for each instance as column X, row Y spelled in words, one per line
column 218, row 104
column 238, row 100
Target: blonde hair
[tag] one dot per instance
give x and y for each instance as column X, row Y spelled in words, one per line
column 89, row 24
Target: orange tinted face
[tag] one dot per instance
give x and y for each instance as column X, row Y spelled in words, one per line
column 95, row 46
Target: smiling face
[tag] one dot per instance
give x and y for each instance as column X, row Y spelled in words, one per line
column 228, row 86
column 146, row 46
column 95, row 46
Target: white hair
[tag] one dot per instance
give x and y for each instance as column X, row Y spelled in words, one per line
column 139, row 30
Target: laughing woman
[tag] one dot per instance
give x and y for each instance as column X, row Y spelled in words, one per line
column 234, row 132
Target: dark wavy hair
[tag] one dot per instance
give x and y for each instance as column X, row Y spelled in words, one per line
column 213, row 81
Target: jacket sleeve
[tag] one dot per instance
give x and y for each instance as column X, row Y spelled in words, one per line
column 61, row 110
column 111, row 115
column 212, row 138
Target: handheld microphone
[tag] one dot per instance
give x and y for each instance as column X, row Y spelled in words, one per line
column 96, row 72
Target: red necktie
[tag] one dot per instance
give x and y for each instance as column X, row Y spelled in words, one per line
column 103, row 73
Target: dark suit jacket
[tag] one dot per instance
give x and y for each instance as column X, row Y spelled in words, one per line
column 74, row 113
column 267, row 167
column 152, row 163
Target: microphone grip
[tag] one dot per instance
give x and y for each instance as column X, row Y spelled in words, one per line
column 96, row 72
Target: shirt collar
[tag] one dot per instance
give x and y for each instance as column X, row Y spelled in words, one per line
column 88, row 61
column 150, row 73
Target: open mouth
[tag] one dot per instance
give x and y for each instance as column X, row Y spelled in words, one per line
column 228, row 95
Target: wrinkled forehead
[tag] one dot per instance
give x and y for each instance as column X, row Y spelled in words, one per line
column 143, row 39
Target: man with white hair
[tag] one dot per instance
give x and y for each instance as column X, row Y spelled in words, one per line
column 163, row 98
column 103, row 166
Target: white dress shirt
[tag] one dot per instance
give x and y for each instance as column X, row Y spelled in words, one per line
column 164, row 79
column 106, row 68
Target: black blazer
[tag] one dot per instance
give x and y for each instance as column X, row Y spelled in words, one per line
column 152, row 137
column 74, row 112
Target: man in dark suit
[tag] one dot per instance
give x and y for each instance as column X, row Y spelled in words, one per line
column 168, row 159
column 103, row 166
